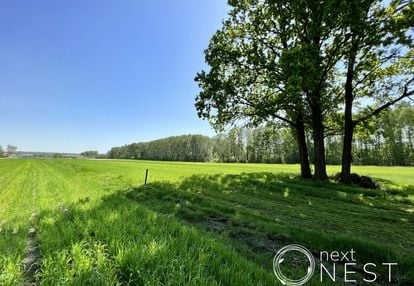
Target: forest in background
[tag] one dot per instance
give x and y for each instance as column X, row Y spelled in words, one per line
column 388, row 140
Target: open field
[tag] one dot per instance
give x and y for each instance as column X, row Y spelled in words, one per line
column 195, row 224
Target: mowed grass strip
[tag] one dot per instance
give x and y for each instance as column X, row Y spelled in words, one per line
column 237, row 214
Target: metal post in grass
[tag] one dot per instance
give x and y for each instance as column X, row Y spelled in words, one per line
column 146, row 176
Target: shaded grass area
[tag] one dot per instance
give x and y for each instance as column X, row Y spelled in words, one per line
column 263, row 212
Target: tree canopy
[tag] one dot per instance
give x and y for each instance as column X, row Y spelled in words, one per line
column 304, row 63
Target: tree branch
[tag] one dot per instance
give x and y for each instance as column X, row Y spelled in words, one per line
column 290, row 122
column 405, row 94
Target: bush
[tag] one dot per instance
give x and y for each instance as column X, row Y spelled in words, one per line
column 361, row 181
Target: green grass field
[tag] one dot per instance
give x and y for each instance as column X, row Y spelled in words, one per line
column 195, row 223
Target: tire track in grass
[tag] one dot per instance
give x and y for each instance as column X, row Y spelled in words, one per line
column 31, row 261
column 49, row 190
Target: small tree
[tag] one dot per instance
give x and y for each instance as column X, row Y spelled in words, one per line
column 11, row 150
column 90, row 154
column 1, row 151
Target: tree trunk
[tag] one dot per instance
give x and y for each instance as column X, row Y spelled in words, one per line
column 347, row 147
column 305, row 170
column 319, row 142
column 348, row 135
column 349, row 125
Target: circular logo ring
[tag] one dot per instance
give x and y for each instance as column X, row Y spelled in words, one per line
column 278, row 259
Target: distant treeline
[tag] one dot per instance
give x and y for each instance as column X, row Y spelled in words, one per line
column 194, row 148
column 387, row 141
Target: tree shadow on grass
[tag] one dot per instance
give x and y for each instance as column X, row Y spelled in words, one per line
column 218, row 229
column 263, row 212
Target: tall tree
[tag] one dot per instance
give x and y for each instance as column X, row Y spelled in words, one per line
column 277, row 60
column 317, row 49
column 244, row 84
column 249, row 81
column 378, row 60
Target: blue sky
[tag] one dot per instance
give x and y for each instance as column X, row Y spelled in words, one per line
column 88, row 75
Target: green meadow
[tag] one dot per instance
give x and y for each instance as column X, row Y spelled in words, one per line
column 194, row 223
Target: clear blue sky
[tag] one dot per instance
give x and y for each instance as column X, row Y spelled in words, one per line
column 80, row 75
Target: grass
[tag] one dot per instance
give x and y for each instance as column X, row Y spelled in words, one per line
column 196, row 223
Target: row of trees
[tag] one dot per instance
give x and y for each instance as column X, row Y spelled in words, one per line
column 320, row 67
column 10, row 151
column 196, row 148
column 389, row 140
column 265, row 144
